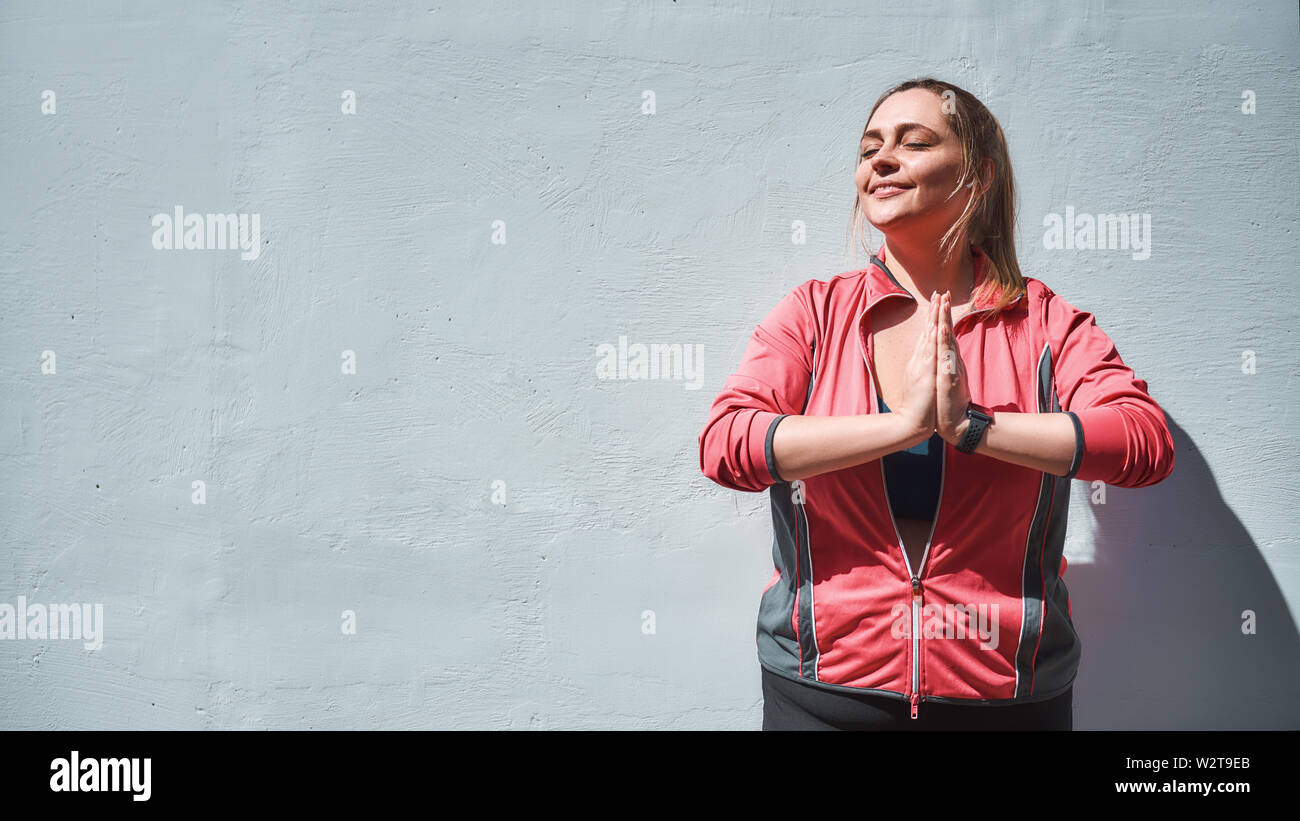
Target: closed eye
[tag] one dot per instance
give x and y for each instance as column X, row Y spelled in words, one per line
column 867, row 154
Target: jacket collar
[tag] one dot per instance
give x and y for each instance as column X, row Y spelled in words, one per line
column 881, row 282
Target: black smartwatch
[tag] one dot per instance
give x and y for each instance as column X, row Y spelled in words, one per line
column 980, row 418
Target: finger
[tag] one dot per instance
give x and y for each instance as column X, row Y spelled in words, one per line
column 958, row 368
column 931, row 328
column 947, row 312
column 945, row 338
column 938, row 318
column 938, row 354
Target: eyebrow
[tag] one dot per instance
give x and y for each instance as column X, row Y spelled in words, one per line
column 902, row 127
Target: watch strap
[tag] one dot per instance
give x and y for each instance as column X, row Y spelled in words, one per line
column 979, row 421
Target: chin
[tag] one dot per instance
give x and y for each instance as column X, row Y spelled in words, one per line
column 882, row 222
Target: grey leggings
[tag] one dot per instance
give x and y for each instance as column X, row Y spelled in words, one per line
column 791, row 705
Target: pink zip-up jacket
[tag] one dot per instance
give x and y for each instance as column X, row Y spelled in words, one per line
column 986, row 617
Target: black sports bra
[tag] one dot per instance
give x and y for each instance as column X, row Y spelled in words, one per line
column 912, row 477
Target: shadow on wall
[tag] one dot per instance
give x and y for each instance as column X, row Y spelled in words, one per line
column 1160, row 613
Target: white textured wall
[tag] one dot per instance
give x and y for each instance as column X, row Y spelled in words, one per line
column 477, row 362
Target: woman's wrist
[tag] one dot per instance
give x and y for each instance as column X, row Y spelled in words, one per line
column 912, row 433
column 953, row 436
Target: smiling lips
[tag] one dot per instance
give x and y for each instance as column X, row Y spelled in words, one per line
column 888, row 189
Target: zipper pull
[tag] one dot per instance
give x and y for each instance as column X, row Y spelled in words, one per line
column 916, row 699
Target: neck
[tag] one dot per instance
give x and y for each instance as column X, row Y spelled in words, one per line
column 918, row 267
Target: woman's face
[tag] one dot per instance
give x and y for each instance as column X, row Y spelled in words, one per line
column 908, row 142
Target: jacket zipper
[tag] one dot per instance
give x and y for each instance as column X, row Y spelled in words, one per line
column 915, row 695
column 916, row 624
column 916, row 580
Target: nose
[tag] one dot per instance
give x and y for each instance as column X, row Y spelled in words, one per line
column 881, row 163
column 883, row 159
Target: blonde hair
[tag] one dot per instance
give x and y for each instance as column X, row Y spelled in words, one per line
column 989, row 219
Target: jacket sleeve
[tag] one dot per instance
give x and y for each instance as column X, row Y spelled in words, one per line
column 1121, row 434
column 770, row 383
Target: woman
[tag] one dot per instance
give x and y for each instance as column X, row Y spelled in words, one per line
column 918, row 423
